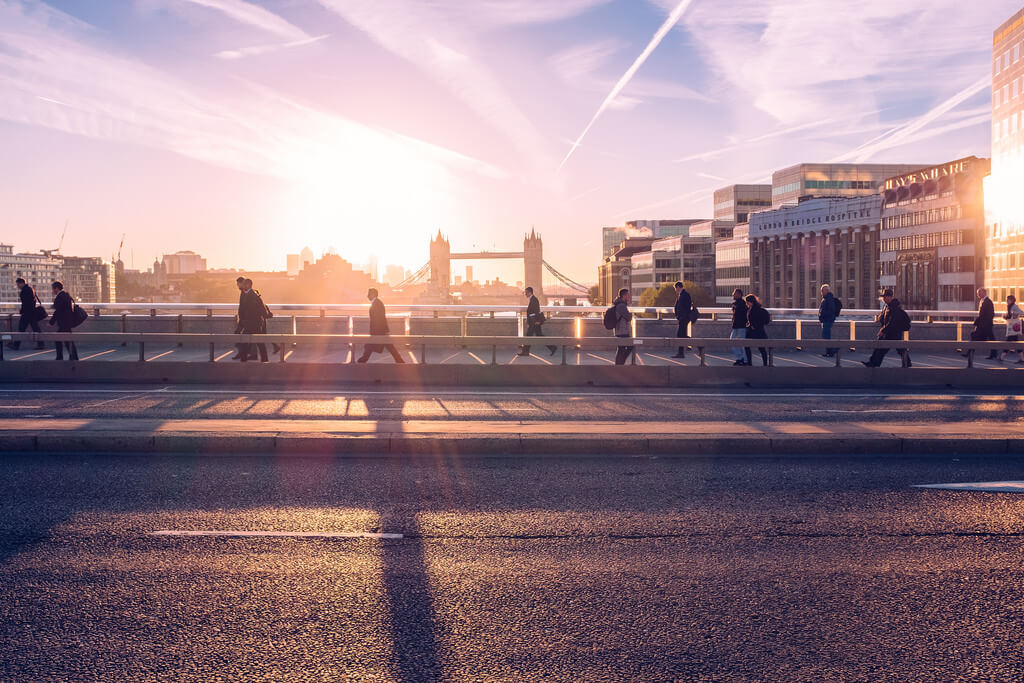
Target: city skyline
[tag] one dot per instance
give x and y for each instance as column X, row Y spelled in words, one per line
column 246, row 130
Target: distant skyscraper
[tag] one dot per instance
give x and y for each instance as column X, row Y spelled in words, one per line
column 469, row 273
column 393, row 274
column 294, row 263
column 1004, row 208
column 39, row 270
column 736, row 202
column 184, row 263
column 89, row 279
column 306, row 256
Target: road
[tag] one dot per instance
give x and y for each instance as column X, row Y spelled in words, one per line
column 543, row 569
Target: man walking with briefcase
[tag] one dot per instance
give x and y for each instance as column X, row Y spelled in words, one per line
column 32, row 312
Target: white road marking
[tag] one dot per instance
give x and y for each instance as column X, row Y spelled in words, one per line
column 275, row 534
column 101, row 353
column 674, row 362
column 30, row 355
column 223, row 355
column 160, row 355
column 606, row 360
column 477, row 358
column 990, row 486
column 879, row 410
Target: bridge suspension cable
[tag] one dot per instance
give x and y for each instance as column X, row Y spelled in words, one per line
column 566, row 280
column 415, row 277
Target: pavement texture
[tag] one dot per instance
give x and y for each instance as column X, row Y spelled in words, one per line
column 508, row 422
column 583, row 569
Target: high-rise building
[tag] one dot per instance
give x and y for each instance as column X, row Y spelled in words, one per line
column 89, row 279
column 796, row 249
column 1004, row 204
column 614, row 273
column 933, row 226
column 39, row 270
column 469, row 274
column 736, row 202
column 656, row 228
column 306, row 257
column 732, row 265
column 802, row 181
column 294, row 265
column 670, row 259
column 393, row 274
column 183, row 263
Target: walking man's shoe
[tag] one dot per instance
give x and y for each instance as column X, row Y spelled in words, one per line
column 867, row 364
column 740, row 362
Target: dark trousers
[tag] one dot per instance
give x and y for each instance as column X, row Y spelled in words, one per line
column 23, row 324
column 534, row 330
column 826, row 333
column 72, row 349
column 878, row 355
column 682, row 332
column 623, row 353
column 247, row 351
column 370, row 349
column 763, row 350
column 984, row 333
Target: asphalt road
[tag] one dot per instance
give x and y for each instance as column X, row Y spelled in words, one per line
column 545, row 569
column 54, row 402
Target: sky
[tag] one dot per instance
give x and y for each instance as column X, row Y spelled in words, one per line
column 247, row 129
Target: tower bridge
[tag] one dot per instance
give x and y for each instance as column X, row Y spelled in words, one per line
column 441, row 255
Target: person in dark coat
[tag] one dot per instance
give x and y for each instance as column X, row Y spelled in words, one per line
column 985, row 322
column 684, row 306
column 623, row 325
column 379, row 328
column 739, row 325
column 758, row 319
column 534, row 321
column 28, row 318
column 827, row 317
column 252, row 319
column 64, row 318
column 240, row 282
column 893, row 321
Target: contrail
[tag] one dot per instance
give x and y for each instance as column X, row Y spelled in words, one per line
column 672, row 20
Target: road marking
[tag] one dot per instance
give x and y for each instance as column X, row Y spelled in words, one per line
column 160, row 355
column 101, row 353
column 990, row 486
column 276, row 534
column 606, row 360
column 25, row 407
column 477, row 358
column 675, row 362
column 223, row 355
column 879, row 410
column 30, row 355
column 542, row 360
column 450, row 357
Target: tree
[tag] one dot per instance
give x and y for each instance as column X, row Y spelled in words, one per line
column 698, row 294
column 594, row 294
column 661, row 297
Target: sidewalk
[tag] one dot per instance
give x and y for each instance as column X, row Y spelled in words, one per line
column 505, row 437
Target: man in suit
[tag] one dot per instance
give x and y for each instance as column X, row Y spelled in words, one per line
column 240, row 283
column 684, row 304
column 252, row 319
column 534, row 320
column 27, row 311
column 985, row 321
column 64, row 318
column 378, row 327
column 893, row 322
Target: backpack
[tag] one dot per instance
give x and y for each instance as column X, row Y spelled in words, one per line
column 905, row 320
column 611, row 319
column 839, row 305
column 80, row 315
column 767, row 316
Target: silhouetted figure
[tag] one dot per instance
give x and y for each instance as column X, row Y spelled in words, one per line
column 534, row 321
column 827, row 313
column 623, row 325
column 985, row 322
column 893, row 322
column 252, row 319
column 684, row 309
column 1014, row 325
column 739, row 326
column 240, row 283
column 379, row 328
column 758, row 319
column 64, row 318
column 31, row 311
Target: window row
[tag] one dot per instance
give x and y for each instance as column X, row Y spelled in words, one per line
column 906, row 220
column 949, row 238
column 839, row 185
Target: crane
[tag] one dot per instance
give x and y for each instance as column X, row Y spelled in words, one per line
column 123, row 235
column 51, row 252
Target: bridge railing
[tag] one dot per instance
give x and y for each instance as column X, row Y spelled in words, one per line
column 568, row 345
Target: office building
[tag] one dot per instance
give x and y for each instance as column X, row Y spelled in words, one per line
column 1004, row 203
column 183, row 263
column 614, row 273
column 736, row 202
column 732, row 265
column 656, row 228
column 89, row 279
column 933, row 225
column 671, row 259
column 715, row 229
column 39, row 270
column 797, row 183
column 795, row 249
column 294, row 265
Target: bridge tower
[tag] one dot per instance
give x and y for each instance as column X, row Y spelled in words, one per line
column 439, row 284
column 533, row 264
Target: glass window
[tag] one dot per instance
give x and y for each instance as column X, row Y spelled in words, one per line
column 995, row 132
column 1015, row 86
column 997, row 67
column 1016, row 53
column 995, row 98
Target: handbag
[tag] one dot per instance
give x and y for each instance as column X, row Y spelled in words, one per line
column 39, row 313
column 79, row 315
column 694, row 314
column 538, row 318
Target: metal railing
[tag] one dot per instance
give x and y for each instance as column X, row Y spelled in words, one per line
column 568, row 345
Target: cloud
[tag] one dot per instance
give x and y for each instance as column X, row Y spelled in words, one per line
column 254, row 15
column 257, row 50
column 659, row 35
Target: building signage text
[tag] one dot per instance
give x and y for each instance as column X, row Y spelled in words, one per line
column 928, row 174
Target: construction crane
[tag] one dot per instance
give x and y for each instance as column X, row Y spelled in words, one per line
column 123, row 235
column 50, row 252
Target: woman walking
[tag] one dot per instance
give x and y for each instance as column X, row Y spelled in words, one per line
column 758, row 318
column 1013, row 316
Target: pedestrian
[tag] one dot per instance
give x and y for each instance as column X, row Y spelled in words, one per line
column 827, row 316
column 378, row 328
column 623, row 325
column 534, row 320
column 739, row 325
column 252, row 319
column 684, row 307
column 64, row 318
column 758, row 318
column 893, row 322
column 1013, row 327
column 984, row 324
column 242, row 351
column 31, row 311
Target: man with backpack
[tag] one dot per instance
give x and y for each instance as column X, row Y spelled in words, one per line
column 828, row 311
column 32, row 312
column 684, row 308
column 893, row 322
column 252, row 319
column 619, row 319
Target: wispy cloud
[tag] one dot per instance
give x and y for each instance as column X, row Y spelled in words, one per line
column 659, row 35
column 254, row 15
column 257, row 50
